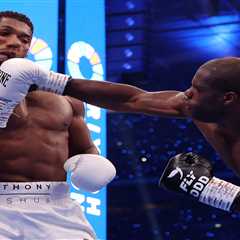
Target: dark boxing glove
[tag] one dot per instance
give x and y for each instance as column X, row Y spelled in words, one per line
column 191, row 174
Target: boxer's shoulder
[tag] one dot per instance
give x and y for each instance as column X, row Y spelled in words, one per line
column 226, row 143
column 211, row 128
column 48, row 101
column 77, row 106
column 213, row 134
column 217, row 133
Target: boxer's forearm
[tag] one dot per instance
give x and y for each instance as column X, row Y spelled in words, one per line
column 127, row 98
column 109, row 95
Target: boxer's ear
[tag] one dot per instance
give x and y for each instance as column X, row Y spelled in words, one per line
column 230, row 98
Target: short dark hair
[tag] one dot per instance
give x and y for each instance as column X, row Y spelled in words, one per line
column 18, row 16
column 224, row 73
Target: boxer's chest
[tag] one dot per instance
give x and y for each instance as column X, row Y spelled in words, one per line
column 42, row 110
column 227, row 145
column 234, row 150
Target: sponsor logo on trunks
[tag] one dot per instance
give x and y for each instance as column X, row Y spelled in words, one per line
column 25, row 200
column 4, row 77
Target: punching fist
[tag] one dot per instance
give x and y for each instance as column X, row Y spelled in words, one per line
column 191, row 174
column 188, row 173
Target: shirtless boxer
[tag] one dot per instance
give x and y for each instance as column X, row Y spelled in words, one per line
column 213, row 102
column 43, row 131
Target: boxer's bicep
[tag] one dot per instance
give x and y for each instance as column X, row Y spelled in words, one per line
column 79, row 135
column 163, row 103
column 79, row 138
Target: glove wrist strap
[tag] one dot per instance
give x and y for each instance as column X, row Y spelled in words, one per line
column 6, row 109
column 56, row 83
column 219, row 193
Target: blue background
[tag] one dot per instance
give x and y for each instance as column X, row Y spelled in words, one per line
column 86, row 22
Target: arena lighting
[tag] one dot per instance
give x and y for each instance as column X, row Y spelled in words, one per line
column 130, row 5
column 127, row 66
column 129, row 37
column 217, row 225
column 144, row 159
column 130, row 21
column 219, row 35
column 121, row 6
column 125, row 29
column 128, row 53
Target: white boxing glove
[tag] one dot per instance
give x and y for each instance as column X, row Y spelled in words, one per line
column 16, row 77
column 90, row 172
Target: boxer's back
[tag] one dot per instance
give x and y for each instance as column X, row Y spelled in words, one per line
column 34, row 145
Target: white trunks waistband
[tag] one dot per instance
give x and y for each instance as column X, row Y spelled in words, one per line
column 33, row 193
column 34, row 188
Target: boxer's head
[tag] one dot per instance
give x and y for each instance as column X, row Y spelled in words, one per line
column 16, row 31
column 215, row 90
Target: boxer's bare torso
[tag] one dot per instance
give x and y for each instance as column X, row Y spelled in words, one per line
column 36, row 142
column 225, row 140
column 226, row 144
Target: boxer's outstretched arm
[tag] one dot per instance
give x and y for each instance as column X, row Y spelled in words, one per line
column 19, row 74
column 126, row 98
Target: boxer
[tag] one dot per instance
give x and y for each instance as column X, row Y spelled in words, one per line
column 212, row 100
column 42, row 136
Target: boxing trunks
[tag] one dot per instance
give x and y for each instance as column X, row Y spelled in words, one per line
column 41, row 210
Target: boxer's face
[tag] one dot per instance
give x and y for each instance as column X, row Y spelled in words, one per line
column 15, row 38
column 204, row 102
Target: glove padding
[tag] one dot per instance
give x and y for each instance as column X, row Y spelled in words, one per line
column 90, row 172
column 191, row 174
column 16, row 77
column 187, row 173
